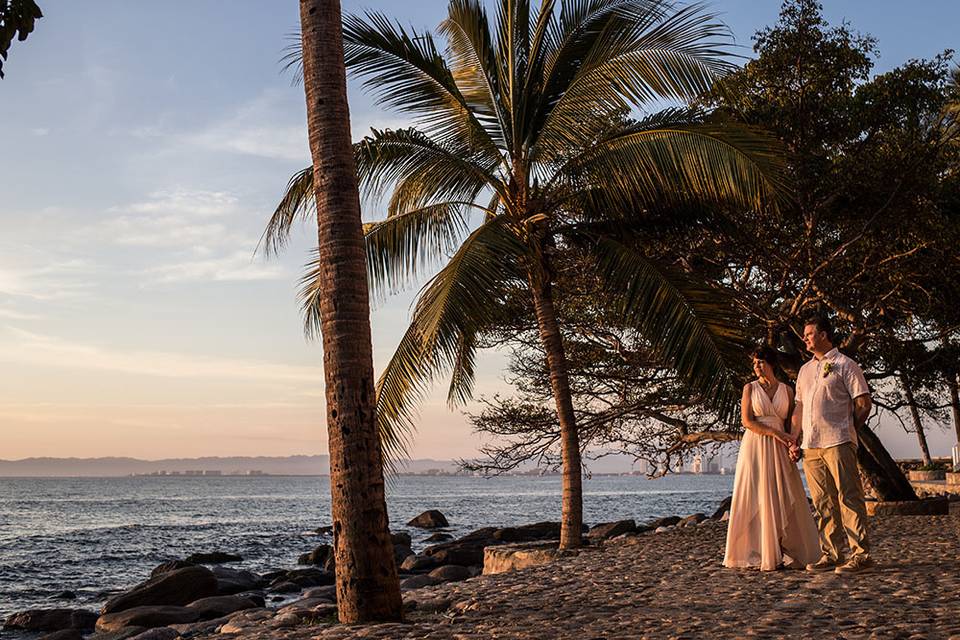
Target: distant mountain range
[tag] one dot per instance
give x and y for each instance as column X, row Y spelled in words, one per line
column 288, row 465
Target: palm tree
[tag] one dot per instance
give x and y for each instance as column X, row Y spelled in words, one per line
column 521, row 146
column 367, row 583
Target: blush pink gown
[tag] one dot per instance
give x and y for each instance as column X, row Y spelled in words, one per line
column 770, row 520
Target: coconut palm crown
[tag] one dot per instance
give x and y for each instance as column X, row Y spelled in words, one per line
column 520, row 146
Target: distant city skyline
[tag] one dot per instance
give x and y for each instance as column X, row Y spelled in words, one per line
column 145, row 152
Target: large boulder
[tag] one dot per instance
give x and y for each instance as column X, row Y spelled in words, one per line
column 450, row 573
column 529, row 532
column 401, row 537
column 464, row 555
column 168, row 566
column 215, row 557
column 724, row 506
column 318, row 557
column 51, row 619
column 231, row 581
column 218, row 606
column 401, row 552
column 612, row 529
column 431, row 519
column 120, row 634
column 304, row 578
column 148, row 617
column 439, row 536
column 177, row 587
column 512, row 557
column 419, row 563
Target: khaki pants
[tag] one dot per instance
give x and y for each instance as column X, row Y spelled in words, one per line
column 834, row 481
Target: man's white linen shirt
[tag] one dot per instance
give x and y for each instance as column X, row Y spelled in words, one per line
column 826, row 389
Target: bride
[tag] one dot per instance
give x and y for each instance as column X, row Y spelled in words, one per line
column 771, row 525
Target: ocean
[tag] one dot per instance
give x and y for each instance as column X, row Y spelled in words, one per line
column 93, row 536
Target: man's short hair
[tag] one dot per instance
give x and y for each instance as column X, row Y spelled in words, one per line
column 822, row 323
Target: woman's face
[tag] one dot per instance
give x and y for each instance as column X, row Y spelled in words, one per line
column 762, row 368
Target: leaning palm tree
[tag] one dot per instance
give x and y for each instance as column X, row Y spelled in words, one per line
column 367, row 584
column 522, row 146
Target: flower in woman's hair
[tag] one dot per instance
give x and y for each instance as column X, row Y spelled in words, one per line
column 827, row 368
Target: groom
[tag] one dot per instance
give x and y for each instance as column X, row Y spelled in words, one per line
column 832, row 400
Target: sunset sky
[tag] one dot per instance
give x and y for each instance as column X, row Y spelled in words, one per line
column 144, row 147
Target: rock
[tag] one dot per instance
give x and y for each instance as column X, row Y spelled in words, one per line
column 926, row 507
column 149, row 617
column 418, row 581
column 65, row 595
column 662, row 529
column 63, row 634
column 317, row 557
column 439, row 537
column 529, row 532
column 219, row 606
column 401, row 552
column 724, row 506
column 119, row 634
column 401, row 537
column 51, row 619
column 285, row 621
column 168, row 566
column 612, row 529
column 431, row 519
column 511, row 557
column 188, row 629
column 450, row 573
column 215, row 557
column 160, row 633
column 310, row 577
column 692, row 520
column 302, row 606
column 420, row 563
column 324, row 531
column 668, row 521
column 427, row 605
column 463, row 555
column 328, row 593
column 725, row 516
column 233, row 581
column 176, row 587
column 284, row 586
column 480, row 536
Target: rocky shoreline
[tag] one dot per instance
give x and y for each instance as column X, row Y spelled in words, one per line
column 634, row 574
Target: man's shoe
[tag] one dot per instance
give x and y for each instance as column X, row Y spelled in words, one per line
column 825, row 563
column 854, row 565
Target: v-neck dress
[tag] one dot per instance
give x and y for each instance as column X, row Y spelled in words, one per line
column 770, row 520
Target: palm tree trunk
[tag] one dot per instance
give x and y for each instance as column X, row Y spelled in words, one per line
column 367, row 584
column 953, row 382
column 917, row 423
column 571, row 522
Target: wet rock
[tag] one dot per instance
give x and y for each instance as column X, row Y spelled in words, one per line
column 439, row 537
column 176, row 587
column 234, row 581
column 417, row 582
column 431, row 519
column 219, row 606
column 310, row 577
column 612, row 529
column 148, row 617
column 51, row 619
column 401, row 537
column 419, row 563
column 284, row 586
column 450, row 573
column 401, row 552
column 215, row 557
column 724, row 506
column 317, row 557
column 692, row 520
column 65, row 595
column 668, row 521
column 170, row 565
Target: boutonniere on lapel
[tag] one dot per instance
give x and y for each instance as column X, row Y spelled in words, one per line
column 827, row 368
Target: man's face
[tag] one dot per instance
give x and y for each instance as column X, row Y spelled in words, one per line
column 814, row 340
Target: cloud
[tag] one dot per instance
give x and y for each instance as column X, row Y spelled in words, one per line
column 54, row 281
column 238, row 266
column 20, row 346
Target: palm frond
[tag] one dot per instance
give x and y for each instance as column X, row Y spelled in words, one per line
column 692, row 326
column 630, row 58
column 298, row 201
column 718, row 163
column 400, row 248
column 456, row 305
column 406, row 72
column 419, row 170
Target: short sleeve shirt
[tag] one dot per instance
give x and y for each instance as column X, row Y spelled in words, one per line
column 826, row 389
